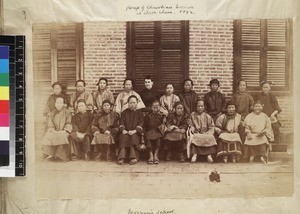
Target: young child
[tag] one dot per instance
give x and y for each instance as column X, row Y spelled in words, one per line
column 258, row 133
column 103, row 93
column 149, row 94
column 154, row 126
column 188, row 96
column 131, row 128
column 80, row 138
column 81, row 94
column 122, row 99
column 168, row 100
column 214, row 101
column 229, row 139
column 175, row 137
column 105, row 129
column 202, row 138
column 270, row 108
column 55, row 143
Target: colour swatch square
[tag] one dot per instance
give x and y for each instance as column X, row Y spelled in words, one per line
column 4, row 93
column 4, row 120
column 4, row 133
column 4, row 147
column 4, row 79
column 4, row 66
column 4, row 52
column 4, row 106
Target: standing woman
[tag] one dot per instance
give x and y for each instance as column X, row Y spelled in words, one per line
column 103, row 93
column 229, row 139
column 81, row 93
column 258, row 133
column 175, row 137
column 168, row 100
column 131, row 128
column 55, row 143
column 105, row 129
column 202, row 137
column 122, row 99
column 189, row 97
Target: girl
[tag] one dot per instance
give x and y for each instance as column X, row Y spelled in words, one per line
column 55, row 143
column 81, row 94
column 103, row 93
column 105, row 129
column 270, row 108
column 122, row 99
column 214, row 101
column 175, row 138
column 188, row 96
column 131, row 123
column 202, row 134
column 80, row 138
column 243, row 103
column 154, row 126
column 242, row 100
column 258, row 133
column 229, row 139
column 168, row 100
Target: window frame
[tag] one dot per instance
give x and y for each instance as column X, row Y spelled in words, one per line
column 237, row 54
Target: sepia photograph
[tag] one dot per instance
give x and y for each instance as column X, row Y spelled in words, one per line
column 163, row 109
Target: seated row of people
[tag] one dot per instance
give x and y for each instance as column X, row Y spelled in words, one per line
column 72, row 138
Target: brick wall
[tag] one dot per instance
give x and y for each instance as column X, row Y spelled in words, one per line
column 105, row 53
column 211, row 54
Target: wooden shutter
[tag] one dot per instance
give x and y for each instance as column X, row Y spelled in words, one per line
column 67, row 53
column 262, row 51
column 159, row 49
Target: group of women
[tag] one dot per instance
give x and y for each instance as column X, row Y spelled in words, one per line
column 97, row 126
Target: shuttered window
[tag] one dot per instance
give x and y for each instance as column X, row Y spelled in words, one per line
column 159, row 49
column 262, row 52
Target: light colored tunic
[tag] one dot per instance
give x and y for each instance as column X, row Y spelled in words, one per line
column 85, row 96
column 100, row 96
column 59, row 127
column 122, row 101
column 203, row 130
column 256, row 123
column 229, row 126
column 167, row 104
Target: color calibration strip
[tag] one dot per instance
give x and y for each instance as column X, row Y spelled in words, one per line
column 4, row 106
column 17, row 136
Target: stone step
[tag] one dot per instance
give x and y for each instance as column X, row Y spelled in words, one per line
column 282, row 147
column 280, row 156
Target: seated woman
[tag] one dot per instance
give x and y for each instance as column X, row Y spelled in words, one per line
column 154, row 126
column 80, row 138
column 259, row 132
column 229, row 143
column 55, row 143
column 105, row 129
column 122, row 99
column 175, row 137
column 103, row 93
column 131, row 123
column 202, row 138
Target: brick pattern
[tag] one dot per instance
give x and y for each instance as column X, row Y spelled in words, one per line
column 211, row 54
column 105, row 53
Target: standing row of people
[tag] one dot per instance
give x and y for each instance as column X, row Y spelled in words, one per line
column 96, row 123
